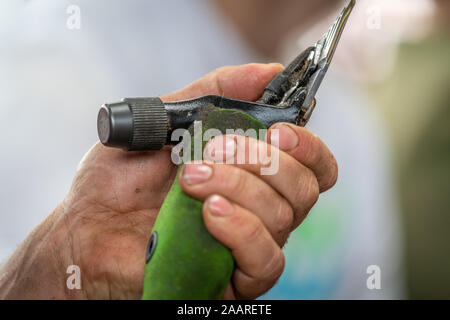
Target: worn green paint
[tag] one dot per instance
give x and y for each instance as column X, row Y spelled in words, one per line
column 188, row 263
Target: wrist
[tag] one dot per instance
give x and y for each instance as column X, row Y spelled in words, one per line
column 37, row 269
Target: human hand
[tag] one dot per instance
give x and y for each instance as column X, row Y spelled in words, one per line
column 104, row 223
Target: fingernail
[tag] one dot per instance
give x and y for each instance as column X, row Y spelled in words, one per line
column 196, row 173
column 220, row 149
column 283, row 137
column 276, row 64
column 219, row 206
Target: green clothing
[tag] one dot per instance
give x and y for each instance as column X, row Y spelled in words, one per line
column 416, row 104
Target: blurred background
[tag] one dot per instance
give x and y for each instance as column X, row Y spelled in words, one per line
column 383, row 110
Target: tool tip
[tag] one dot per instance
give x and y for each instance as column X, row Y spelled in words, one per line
column 335, row 32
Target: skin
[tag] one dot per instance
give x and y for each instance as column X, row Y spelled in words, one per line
column 104, row 223
column 271, row 21
column 442, row 14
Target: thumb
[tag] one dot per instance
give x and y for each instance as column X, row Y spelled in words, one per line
column 245, row 82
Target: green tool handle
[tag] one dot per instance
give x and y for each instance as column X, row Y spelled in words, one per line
column 184, row 260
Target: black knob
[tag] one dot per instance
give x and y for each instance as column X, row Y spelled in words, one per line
column 133, row 124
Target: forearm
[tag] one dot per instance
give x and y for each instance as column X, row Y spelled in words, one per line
column 36, row 270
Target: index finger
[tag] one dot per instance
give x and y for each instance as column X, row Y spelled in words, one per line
column 307, row 148
column 245, row 82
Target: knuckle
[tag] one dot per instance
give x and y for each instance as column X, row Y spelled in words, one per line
column 284, row 217
column 251, row 229
column 242, row 149
column 253, row 145
column 313, row 150
column 313, row 191
column 275, row 267
column 216, row 73
column 217, row 79
column 307, row 193
column 333, row 174
column 279, row 267
column 251, row 153
column 235, row 180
